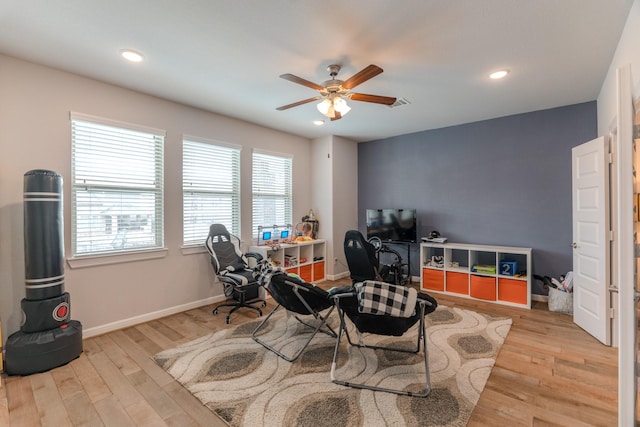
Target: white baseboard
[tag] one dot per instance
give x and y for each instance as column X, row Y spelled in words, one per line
column 147, row 317
column 542, row 298
column 338, row 276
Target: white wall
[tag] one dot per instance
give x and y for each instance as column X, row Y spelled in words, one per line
column 35, row 103
column 345, row 196
column 322, row 201
column 335, row 196
column 627, row 52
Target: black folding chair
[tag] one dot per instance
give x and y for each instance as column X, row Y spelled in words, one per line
column 380, row 308
column 297, row 297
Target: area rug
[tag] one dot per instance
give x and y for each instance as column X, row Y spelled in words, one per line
column 247, row 385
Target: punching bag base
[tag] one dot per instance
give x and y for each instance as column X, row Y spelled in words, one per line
column 45, row 314
column 30, row 353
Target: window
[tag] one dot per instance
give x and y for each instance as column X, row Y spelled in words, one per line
column 210, row 188
column 116, row 187
column 272, row 182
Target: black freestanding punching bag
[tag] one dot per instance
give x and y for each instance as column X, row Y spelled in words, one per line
column 47, row 337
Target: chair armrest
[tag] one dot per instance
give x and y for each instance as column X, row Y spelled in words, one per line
column 348, row 290
column 428, row 302
column 254, row 255
column 343, row 294
column 227, row 280
column 428, row 298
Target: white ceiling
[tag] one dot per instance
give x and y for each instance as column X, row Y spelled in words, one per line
column 226, row 56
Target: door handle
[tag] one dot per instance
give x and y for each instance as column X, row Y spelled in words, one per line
column 614, row 289
column 574, row 245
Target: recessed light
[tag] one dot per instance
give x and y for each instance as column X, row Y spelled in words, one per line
column 318, row 122
column 131, row 55
column 498, row 74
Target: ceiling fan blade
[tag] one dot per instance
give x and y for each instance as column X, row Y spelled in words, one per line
column 362, row 76
column 301, row 81
column 386, row 100
column 295, row 104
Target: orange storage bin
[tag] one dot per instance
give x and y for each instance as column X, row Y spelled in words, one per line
column 483, row 287
column 292, row 270
column 306, row 273
column 318, row 271
column 433, row 279
column 457, row 283
column 512, row 291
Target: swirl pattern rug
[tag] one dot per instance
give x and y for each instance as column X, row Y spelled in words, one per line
column 247, row 385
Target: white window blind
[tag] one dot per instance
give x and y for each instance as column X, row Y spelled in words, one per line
column 210, row 189
column 272, row 190
column 117, row 187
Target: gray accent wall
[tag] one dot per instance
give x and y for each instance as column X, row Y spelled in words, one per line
column 504, row 181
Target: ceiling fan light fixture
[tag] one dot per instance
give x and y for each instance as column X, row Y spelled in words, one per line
column 333, row 92
column 330, row 106
column 341, row 106
column 324, row 106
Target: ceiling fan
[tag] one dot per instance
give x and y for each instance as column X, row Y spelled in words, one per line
column 333, row 92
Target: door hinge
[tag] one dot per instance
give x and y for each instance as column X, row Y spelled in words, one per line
column 612, row 313
column 636, row 131
column 610, row 158
column 612, row 235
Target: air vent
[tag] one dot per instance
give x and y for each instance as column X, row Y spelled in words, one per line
column 399, row 102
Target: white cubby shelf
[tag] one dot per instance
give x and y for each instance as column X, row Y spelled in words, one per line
column 498, row 274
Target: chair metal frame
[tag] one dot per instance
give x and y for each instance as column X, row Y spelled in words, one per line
column 317, row 315
column 421, row 341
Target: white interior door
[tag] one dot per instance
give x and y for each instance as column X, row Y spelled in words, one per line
column 591, row 244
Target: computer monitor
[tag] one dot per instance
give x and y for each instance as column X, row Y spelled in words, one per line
column 270, row 234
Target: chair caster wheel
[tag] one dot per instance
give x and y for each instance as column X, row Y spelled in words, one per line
column 228, row 320
column 264, row 304
column 215, row 311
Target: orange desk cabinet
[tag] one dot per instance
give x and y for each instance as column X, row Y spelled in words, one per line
column 433, row 279
column 318, row 271
column 292, row 270
column 512, row 290
column 306, row 273
column 483, row 287
column 457, row 282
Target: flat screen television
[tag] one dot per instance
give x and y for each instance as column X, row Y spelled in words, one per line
column 392, row 225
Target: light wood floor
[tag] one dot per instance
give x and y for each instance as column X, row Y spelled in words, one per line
column 548, row 373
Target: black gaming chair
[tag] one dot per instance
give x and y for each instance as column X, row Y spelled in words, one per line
column 361, row 257
column 231, row 268
column 380, row 308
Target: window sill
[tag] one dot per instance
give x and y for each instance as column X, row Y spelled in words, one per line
column 193, row 249
column 97, row 260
